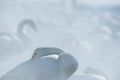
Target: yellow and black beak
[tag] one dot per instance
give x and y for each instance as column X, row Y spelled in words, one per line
column 33, row 56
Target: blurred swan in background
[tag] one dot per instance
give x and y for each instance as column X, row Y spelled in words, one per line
column 90, row 74
column 83, row 76
column 111, row 20
column 8, row 44
column 91, row 70
column 112, row 66
column 26, row 41
column 45, row 67
column 15, row 43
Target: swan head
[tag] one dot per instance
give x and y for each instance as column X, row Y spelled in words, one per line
column 31, row 24
column 28, row 22
column 39, row 52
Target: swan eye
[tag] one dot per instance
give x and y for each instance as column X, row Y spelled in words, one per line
column 35, row 53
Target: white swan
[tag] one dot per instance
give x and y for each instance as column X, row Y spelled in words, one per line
column 21, row 35
column 15, row 43
column 83, row 76
column 90, row 74
column 8, row 44
column 43, row 67
column 95, row 71
column 16, row 40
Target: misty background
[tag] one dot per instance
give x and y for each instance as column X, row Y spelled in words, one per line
column 88, row 29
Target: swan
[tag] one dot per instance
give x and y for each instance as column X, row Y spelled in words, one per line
column 91, row 70
column 18, row 40
column 83, row 76
column 21, row 35
column 90, row 74
column 111, row 20
column 8, row 44
column 43, row 67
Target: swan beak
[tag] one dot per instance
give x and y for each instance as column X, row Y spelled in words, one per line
column 33, row 56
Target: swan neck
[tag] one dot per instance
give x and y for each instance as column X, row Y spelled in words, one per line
column 50, row 51
column 28, row 22
column 20, row 27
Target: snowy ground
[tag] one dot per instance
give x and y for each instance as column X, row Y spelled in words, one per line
column 91, row 34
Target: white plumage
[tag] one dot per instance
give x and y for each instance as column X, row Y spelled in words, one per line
column 26, row 41
column 91, row 74
column 43, row 67
column 91, row 70
column 87, row 77
column 15, row 43
column 8, row 44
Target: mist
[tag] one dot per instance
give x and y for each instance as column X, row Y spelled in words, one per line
column 89, row 30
